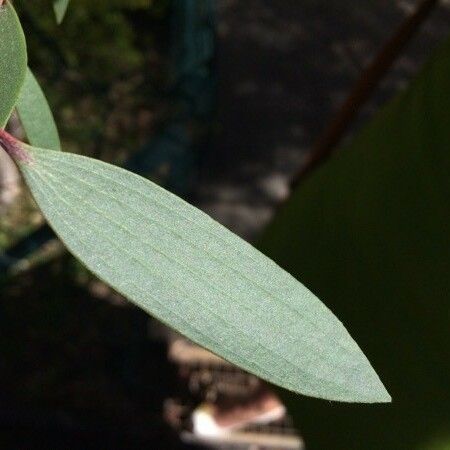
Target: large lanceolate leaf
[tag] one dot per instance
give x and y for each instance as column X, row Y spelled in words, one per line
column 196, row 276
column 370, row 233
column 13, row 60
column 60, row 8
column 36, row 116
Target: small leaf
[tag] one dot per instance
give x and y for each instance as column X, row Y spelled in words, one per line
column 60, row 8
column 13, row 60
column 182, row 267
column 36, row 116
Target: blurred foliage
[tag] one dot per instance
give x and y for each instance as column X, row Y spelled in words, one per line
column 441, row 443
column 97, row 38
column 102, row 70
column 369, row 234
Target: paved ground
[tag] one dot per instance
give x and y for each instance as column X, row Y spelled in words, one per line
column 284, row 68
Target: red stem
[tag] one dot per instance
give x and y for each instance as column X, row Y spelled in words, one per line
column 363, row 89
column 15, row 149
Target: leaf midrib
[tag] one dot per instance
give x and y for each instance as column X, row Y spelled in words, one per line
column 272, row 297
column 176, row 212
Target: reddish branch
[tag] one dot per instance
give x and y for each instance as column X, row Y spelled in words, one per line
column 361, row 92
column 15, row 149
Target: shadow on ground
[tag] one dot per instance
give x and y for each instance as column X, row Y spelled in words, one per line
column 78, row 371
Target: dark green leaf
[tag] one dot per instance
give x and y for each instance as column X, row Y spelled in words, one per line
column 370, row 233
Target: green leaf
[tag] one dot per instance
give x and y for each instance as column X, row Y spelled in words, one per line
column 36, row 116
column 196, row 276
column 370, row 233
column 13, row 60
column 60, row 8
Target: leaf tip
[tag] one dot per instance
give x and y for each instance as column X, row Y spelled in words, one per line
column 370, row 388
column 60, row 8
column 380, row 395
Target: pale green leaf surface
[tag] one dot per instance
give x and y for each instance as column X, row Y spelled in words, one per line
column 36, row 116
column 196, row 276
column 60, row 8
column 370, row 233
column 13, row 60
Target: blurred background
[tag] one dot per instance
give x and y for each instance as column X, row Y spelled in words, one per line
column 223, row 102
